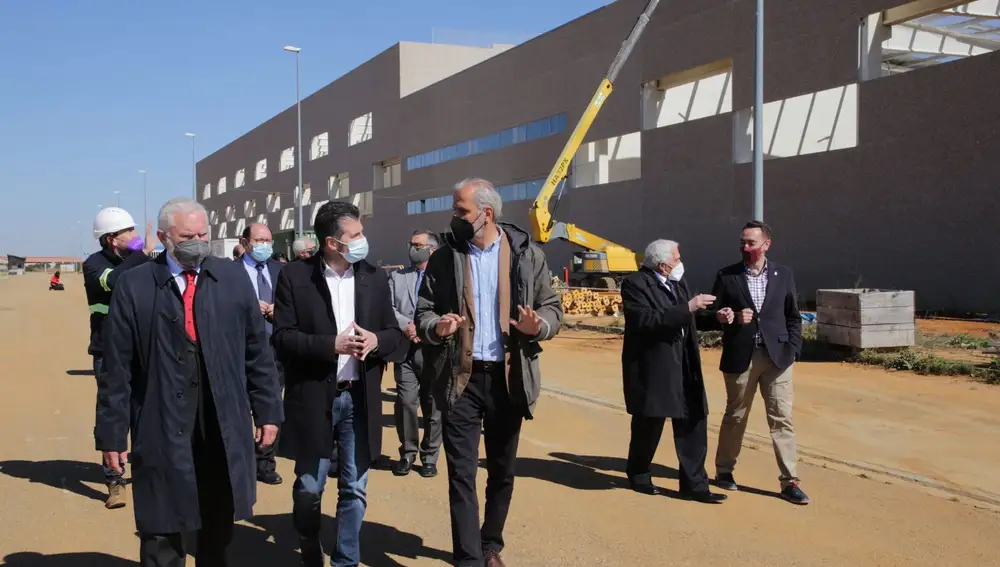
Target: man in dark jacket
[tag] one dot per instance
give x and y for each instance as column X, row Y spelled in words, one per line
column 485, row 303
column 334, row 330
column 188, row 364
column 121, row 249
column 263, row 271
column 661, row 368
column 762, row 335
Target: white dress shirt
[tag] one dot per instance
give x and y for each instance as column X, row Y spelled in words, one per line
column 177, row 272
column 342, row 298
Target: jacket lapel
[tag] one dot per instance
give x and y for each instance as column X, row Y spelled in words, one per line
column 362, row 279
column 324, row 291
column 410, row 279
column 741, row 282
column 772, row 279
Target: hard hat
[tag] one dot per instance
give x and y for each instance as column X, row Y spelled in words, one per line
column 111, row 220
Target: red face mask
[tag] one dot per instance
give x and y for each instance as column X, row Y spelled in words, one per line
column 752, row 255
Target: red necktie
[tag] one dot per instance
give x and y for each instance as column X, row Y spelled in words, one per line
column 188, row 298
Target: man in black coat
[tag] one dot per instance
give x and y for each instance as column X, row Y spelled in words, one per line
column 263, row 271
column 762, row 335
column 661, row 368
column 334, row 330
column 188, row 364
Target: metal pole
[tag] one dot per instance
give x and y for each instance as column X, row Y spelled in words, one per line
column 298, row 103
column 758, row 116
column 145, row 204
column 194, row 176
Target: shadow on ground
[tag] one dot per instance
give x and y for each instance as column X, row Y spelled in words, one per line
column 581, row 472
column 64, row 475
column 270, row 540
column 89, row 372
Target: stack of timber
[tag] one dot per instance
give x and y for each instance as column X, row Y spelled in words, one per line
column 590, row 302
column 866, row 318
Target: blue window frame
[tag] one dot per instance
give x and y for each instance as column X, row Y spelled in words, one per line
column 518, row 134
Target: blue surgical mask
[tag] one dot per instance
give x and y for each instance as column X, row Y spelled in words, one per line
column 262, row 252
column 357, row 250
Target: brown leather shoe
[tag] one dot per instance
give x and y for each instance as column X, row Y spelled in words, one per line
column 117, row 496
column 493, row 559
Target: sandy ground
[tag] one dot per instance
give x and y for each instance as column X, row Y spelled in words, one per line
column 569, row 507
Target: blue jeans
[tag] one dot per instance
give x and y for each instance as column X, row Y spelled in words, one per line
column 110, row 476
column 350, row 430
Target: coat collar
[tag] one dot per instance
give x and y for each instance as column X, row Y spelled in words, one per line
column 162, row 275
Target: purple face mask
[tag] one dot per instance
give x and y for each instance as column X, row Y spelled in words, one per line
column 135, row 244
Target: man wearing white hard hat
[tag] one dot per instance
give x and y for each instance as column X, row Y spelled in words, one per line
column 121, row 249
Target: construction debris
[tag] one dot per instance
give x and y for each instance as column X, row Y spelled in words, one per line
column 590, row 302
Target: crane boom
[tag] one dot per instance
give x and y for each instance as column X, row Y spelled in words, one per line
column 543, row 225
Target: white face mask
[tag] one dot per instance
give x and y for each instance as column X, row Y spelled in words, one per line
column 677, row 273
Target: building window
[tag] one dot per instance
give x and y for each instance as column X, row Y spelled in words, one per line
column 611, row 160
column 364, row 202
column 249, row 208
column 388, row 173
column 206, row 193
column 222, row 186
column 320, row 146
column 287, row 159
column 339, row 186
column 518, row 134
column 360, row 129
column 260, row 172
column 273, row 202
column 689, row 95
column 240, row 179
column 521, row 191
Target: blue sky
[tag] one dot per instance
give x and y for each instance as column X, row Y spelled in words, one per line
column 94, row 91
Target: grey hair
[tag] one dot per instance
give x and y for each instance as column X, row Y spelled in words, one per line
column 178, row 205
column 432, row 239
column 485, row 195
column 659, row 252
column 302, row 244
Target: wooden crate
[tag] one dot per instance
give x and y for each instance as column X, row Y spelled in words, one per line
column 866, row 318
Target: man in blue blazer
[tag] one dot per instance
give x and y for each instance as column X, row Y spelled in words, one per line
column 257, row 261
column 762, row 335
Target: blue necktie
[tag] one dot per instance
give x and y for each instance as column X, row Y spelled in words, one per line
column 264, row 292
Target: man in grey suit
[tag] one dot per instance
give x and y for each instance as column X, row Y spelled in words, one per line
column 412, row 390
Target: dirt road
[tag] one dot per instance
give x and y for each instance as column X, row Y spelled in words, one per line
column 569, row 507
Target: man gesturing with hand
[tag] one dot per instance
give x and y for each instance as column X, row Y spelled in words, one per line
column 334, row 330
column 485, row 303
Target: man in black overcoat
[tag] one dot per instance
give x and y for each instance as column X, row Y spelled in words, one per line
column 189, row 375
column 661, row 368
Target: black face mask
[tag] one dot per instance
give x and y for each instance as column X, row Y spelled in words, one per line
column 463, row 230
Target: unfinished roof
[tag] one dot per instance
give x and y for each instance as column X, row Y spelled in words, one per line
column 943, row 36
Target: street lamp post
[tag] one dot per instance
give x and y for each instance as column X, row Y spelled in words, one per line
column 299, row 158
column 194, row 179
column 758, row 116
column 145, row 207
column 118, row 198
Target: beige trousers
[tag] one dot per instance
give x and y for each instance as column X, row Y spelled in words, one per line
column 776, row 389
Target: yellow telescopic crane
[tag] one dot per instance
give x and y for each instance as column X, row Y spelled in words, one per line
column 604, row 263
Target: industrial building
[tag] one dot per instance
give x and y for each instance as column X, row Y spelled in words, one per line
column 880, row 138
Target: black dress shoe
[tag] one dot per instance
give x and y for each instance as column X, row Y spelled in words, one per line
column 403, row 466
column 429, row 471
column 792, row 493
column 644, row 487
column 269, row 477
column 725, row 481
column 704, row 496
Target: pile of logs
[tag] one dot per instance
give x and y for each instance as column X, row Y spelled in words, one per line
column 591, row 302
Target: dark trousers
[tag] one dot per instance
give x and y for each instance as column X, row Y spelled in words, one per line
column 215, row 499
column 265, row 457
column 413, row 392
column 110, row 475
column 483, row 409
column 690, row 441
